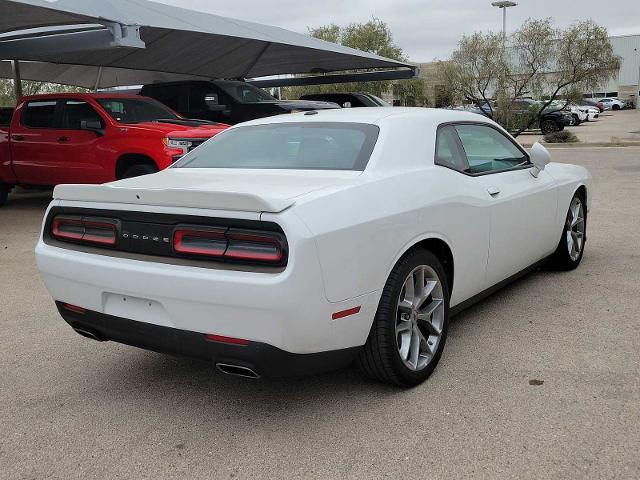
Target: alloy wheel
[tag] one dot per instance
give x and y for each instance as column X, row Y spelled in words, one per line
column 575, row 229
column 419, row 317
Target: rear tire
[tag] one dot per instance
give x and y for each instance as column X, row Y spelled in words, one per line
column 138, row 170
column 408, row 336
column 5, row 188
column 615, row 107
column 576, row 120
column 574, row 235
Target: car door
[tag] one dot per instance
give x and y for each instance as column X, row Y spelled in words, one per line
column 523, row 207
column 33, row 140
column 78, row 148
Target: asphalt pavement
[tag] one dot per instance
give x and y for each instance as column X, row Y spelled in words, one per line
column 541, row 380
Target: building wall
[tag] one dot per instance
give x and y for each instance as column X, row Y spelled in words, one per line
column 626, row 85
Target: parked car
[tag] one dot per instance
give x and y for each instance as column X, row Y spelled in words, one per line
column 578, row 115
column 612, row 103
column 92, row 138
column 551, row 120
column 346, row 100
column 299, row 243
column 594, row 103
column 225, row 101
column 592, row 112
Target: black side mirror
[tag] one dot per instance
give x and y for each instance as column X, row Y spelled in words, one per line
column 93, row 126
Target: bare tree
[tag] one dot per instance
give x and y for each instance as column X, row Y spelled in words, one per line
column 539, row 60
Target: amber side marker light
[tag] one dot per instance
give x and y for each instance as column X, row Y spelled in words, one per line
column 345, row 313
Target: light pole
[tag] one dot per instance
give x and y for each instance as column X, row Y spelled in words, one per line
column 504, row 5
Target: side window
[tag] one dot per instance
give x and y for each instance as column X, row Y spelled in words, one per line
column 448, row 150
column 40, row 114
column 488, row 150
column 77, row 111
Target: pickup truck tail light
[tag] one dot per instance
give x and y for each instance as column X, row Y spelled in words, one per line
column 94, row 231
column 233, row 244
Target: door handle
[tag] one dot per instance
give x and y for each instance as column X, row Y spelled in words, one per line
column 63, row 139
column 493, row 191
column 18, row 138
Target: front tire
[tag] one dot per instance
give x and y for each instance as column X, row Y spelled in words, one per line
column 549, row 126
column 139, row 170
column 616, row 107
column 574, row 234
column 410, row 327
column 576, row 121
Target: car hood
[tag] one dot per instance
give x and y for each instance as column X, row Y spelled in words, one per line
column 247, row 190
column 184, row 129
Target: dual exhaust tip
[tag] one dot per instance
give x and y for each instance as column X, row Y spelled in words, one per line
column 226, row 368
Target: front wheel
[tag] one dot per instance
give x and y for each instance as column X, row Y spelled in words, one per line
column 576, row 121
column 410, row 327
column 139, row 169
column 616, row 107
column 574, row 234
column 548, row 126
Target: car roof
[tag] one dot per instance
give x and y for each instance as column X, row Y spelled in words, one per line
column 45, row 96
column 373, row 115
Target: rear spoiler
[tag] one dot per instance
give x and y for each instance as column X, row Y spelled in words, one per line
column 170, row 197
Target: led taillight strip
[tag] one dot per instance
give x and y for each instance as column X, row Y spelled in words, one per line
column 232, row 244
column 83, row 230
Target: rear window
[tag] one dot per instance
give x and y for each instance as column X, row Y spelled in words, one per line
column 40, row 114
column 298, row 146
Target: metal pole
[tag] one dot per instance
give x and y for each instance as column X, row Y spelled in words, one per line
column 504, row 25
column 98, row 79
column 17, row 80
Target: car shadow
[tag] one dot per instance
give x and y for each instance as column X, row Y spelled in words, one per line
column 28, row 200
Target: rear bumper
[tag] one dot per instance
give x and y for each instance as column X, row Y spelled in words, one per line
column 263, row 359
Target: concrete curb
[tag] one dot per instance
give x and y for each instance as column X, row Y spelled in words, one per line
column 583, row 144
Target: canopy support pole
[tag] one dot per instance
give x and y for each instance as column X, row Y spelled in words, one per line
column 17, row 79
column 98, row 79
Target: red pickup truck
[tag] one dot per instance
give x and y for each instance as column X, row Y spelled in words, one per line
column 92, row 138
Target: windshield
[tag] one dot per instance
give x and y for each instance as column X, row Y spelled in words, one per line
column 134, row 110
column 245, row 93
column 298, row 146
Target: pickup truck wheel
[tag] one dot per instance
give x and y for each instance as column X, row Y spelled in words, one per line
column 5, row 188
column 138, row 170
column 576, row 120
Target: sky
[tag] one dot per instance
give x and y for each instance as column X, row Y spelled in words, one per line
column 424, row 29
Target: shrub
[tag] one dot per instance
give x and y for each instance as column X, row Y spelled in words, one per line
column 561, row 137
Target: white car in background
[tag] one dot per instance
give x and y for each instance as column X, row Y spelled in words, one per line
column 612, row 103
column 592, row 113
column 300, row 243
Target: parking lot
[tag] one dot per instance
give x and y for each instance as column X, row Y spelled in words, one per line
column 540, row 380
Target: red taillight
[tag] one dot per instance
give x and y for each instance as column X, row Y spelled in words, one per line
column 228, row 340
column 81, row 229
column 232, row 244
column 211, row 243
column 254, row 246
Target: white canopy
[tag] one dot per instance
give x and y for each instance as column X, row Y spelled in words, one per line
column 139, row 41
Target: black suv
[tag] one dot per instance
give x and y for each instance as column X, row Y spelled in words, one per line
column 226, row 101
column 551, row 119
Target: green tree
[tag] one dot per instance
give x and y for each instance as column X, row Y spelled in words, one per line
column 7, row 91
column 373, row 36
column 538, row 60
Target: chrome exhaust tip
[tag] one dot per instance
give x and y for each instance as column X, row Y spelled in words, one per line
column 237, row 370
column 88, row 334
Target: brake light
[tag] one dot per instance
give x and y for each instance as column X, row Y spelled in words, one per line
column 251, row 246
column 200, row 242
column 85, row 230
column 232, row 244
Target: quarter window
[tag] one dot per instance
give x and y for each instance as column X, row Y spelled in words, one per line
column 449, row 153
column 488, row 150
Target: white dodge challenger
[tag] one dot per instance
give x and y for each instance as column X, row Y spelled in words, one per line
column 300, row 243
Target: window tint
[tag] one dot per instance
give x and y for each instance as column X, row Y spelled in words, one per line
column 448, row 151
column 5, row 115
column 76, row 111
column 488, row 150
column 299, row 146
column 133, row 110
column 39, row 114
